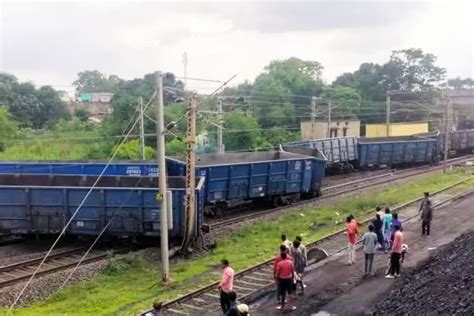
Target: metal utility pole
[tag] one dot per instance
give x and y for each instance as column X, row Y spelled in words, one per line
column 190, row 174
column 446, row 131
column 329, row 117
column 162, row 198
column 387, row 118
column 220, row 139
column 248, row 110
column 313, row 116
column 142, row 130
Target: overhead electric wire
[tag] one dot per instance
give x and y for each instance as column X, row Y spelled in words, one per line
column 99, row 235
column 63, row 231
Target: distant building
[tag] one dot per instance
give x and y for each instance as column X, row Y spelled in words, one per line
column 320, row 129
column 396, row 129
column 96, row 97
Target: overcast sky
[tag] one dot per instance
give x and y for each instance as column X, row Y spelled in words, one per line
column 50, row 42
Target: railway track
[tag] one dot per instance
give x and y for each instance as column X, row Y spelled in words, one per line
column 251, row 281
column 23, row 270
column 344, row 188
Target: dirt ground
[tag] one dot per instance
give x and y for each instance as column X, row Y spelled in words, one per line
column 336, row 289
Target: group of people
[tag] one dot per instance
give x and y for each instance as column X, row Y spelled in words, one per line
column 288, row 269
column 386, row 230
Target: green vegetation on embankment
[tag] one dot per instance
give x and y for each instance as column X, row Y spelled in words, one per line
column 130, row 289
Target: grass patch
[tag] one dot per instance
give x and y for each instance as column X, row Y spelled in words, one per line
column 125, row 289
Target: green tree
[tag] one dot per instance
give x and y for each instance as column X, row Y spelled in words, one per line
column 130, row 150
column 175, row 147
column 282, row 93
column 412, row 70
column 8, row 128
column 458, row 83
column 95, row 81
column 241, row 132
column 346, row 101
column 82, row 114
column 368, row 80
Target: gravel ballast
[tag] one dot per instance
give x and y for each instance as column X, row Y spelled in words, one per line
column 443, row 285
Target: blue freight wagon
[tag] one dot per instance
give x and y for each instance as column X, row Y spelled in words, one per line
column 341, row 153
column 396, row 151
column 142, row 168
column 272, row 176
column 42, row 204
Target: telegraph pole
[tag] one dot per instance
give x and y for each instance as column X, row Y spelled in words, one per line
column 161, row 197
column 220, row 140
column 387, row 117
column 190, row 174
column 329, row 117
column 313, row 116
column 142, row 130
column 446, row 131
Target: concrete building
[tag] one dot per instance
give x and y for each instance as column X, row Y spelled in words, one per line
column 396, row 129
column 96, row 97
column 320, row 129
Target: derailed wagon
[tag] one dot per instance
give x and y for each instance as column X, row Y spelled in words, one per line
column 273, row 177
column 42, row 204
column 341, row 153
column 396, row 151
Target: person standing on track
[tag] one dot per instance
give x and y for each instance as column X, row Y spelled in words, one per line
column 303, row 248
column 285, row 241
column 285, row 275
column 378, row 230
column 299, row 263
column 278, row 258
column 395, row 256
column 351, row 230
column 426, row 198
column 387, row 228
column 426, row 218
column 370, row 245
column 226, row 285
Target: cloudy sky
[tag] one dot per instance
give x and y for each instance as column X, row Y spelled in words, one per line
column 50, row 42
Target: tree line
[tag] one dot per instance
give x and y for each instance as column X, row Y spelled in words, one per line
column 258, row 114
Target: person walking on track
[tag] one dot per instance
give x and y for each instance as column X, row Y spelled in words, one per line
column 226, row 285
column 395, row 256
column 370, row 245
column 299, row 263
column 351, row 230
column 426, row 218
column 378, row 230
column 285, row 275
column 387, row 228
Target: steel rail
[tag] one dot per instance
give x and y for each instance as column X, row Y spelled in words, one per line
column 23, row 270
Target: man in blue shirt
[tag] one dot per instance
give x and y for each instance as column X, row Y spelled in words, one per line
column 387, row 228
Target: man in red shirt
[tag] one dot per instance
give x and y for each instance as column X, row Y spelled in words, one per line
column 284, row 275
column 351, row 230
column 226, row 284
column 394, row 270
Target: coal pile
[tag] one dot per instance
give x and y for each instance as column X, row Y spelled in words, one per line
column 443, row 285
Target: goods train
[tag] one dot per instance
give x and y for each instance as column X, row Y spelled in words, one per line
column 37, row 197
column 42, row 204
